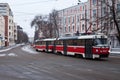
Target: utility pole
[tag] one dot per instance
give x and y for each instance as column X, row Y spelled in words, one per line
column 86, row 30
column 85, row 20
column 101, row 16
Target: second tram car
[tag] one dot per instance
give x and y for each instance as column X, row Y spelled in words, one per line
column 89, row 46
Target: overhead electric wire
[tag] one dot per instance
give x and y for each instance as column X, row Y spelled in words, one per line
column 32, row 3
column 25, row 13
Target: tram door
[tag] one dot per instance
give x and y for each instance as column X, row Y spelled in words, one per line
column 88, row 49
column 47, row 44
column 65, row 47
column 54, row 47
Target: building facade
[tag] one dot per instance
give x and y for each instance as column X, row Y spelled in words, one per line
column 73, row 19
column 101, row 16
column 15, row 32
column 93, row 16
column 2, row 31
column 7, row 13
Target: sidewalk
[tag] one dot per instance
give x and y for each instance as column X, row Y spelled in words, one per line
column 9, row 47
column 115, row 51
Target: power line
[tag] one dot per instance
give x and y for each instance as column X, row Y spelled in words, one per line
column 26, row 13
column 32, row 3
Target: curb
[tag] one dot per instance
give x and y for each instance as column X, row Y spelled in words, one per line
column 9, row 48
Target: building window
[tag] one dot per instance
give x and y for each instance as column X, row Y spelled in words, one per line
column 65, row 29
column 118, row 7
column 78, row 18
column 69, row 28
column 15, row 31
column 82, row 16
column 104, row 10
column 83, row 8
column 94, row 2
column 83, row 27
column 73, row 28
column 69, row 20
column 103, row 1
column 9, row 27
column 9, row 21
column 9, row 33
column 3, row 5
column 73, row 20
column 64, row 20
column 78, row 28
column 105, row 25
column 94, row 13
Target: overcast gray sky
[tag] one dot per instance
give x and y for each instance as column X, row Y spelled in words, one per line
column 25, row 10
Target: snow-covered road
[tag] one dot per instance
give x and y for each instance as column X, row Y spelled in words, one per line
column 29, row 49
column 26, row 48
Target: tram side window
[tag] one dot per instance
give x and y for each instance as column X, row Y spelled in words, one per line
column 72, row 42
column 35, row 43
column 38, row 43
column 90, row 41
column 69, row 42
column 51, row 43
column 59, row 42
column 81, row 42
column 42, row 43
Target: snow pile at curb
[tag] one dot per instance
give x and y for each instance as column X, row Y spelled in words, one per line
column 1, row 55
column 29, row 50
column 10, row 48
column 10, row 54
column 5, row 50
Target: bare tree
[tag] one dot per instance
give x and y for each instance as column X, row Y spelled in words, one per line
column 115, row 19
column 44, row 25
column 47, row 25
column 22, row 37
column 39, row 22
column 111, row 16
column 54, row 19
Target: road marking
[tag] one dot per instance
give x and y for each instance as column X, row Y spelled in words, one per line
column 12, row 54
column 2, row 55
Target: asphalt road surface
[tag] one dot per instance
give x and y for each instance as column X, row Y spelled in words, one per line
column 17, row 64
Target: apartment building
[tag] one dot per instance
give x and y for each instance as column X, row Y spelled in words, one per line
column 7, row 13
column 91, row 16
column 15, row 32
column 100, row 16
column 73, row 19
column 2, row 30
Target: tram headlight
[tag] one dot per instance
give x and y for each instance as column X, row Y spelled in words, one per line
column 96, row 50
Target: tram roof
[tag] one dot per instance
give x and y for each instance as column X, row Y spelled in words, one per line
column 83, row 37
column 49, row 39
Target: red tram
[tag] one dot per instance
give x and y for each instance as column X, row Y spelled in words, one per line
column 89, row 46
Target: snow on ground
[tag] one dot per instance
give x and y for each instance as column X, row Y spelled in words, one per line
column 29, row 49
column 9, row 48
column 1, row 55
column 10, row 54
column 5, row 50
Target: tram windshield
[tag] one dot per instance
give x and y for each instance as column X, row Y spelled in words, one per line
column 100, row 42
